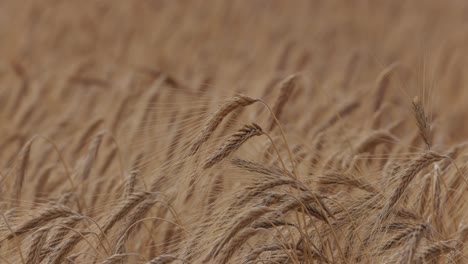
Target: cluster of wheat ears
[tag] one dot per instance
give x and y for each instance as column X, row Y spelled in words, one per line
column 302, row 155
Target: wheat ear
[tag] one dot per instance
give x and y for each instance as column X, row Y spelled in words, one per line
column 48, row 214
column 217, row 117
column 37, row 243
column 133, row 200
column 57, row 236
column 422, row 121
column 241, row 222
column 164, row 259
column 435, row 250
column 237, row 242
column 416, row 236
column 233, row 143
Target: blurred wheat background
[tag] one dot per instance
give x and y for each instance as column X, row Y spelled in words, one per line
column 233, row 131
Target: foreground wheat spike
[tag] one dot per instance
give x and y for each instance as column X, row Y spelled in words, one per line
column 437, row 249
column 251, row 192
column 258, row 251
column 61, row 251
column 437, row 199
column 217, row 117
column 115, row 259
column 423, row 122
column 164, row 259
column 258, row 168
column 59, row 234
column 127, row 205
column 416, row 237
column 347, row 180
column 407, row 232
column 46, row 215
column 423, row 194
column 241, row 223
column 38, row 241
column 237, row 242
column 138, row 213
column 339, row 172
column 233, row 143
column 407, row 176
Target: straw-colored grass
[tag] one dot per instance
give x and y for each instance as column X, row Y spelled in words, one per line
column 233, row 132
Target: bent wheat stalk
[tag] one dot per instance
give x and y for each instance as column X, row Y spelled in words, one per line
column 407, row 176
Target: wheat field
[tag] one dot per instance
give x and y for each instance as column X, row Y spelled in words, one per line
column 259, row 131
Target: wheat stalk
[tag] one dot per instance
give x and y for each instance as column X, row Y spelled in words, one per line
column 242, row 222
